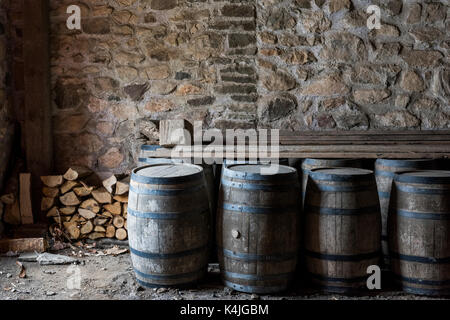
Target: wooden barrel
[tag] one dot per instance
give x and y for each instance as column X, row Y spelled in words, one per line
column 310, row 164
column 168, row 224
column 257, row 228
column 419, row 231
column 342, row 228
column 385, row 170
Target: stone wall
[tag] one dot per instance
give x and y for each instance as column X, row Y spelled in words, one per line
column 292, row 64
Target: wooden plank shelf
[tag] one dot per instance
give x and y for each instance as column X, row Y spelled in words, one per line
column 326, row 144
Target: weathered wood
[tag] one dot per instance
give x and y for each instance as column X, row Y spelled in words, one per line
column 88, row 227
column 23, row 245
column 385, row 170
column 76, row 173
column 67, row 186
column 83, row 191
column 118, row 221
column 175, row 132
column 342, row 228
column 400, row 151
column 47, row 203
column 50, row 192
column 110, row 183
column 257, row 216
column 121, row 234
column 175, row 205
column 67, row 210
column 90, row 204
column 26, row 209
column 85, row 213
column 69, row 199
column 115, row 208
column 419, row 232
column 52, row 181
column 37, row 124
column 102, row 195
column 310, row 164
column 110, row 231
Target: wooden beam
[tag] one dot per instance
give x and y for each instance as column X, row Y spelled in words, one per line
column 23, row 245
column 37, row 129
column 26, row 210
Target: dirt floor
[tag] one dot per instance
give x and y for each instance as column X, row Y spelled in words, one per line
column 111, row 277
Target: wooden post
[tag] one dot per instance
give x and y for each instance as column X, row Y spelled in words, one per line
column 37, row 129
column 26, row 211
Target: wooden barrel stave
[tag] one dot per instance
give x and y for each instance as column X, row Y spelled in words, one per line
column 419, row 233
column 339, row 246
column 258, row 259
column 385, row 170
column 168, row 223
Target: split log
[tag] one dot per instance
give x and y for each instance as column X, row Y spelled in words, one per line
column 74, row 218
column 53, row 212
column 99, row 229
column 87, row 214
column 121, row 198
column 114, row 208
column 91, row 205
column 72, row 229
column 110, row 231
column 83, row 191
column 68, row 185
column 87, row 228
column 77, row 172
column 67, row 210
column 47, row 203
column 102, row 195
column 8, row 198
column 96, row 235
column 100, row 221
column 69, row 199
column 125, row 209
column 121, row 234
column 122, row 187
column 52, row 181
column 110, row 183
column 107, row 214
column 50, row 192
column 118, row 221
column 125, row 225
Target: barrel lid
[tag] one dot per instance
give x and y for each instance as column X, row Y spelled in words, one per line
column 424, row 176
column 166, row 172
column 404, row 163
column 253, row 172
column 340, row 174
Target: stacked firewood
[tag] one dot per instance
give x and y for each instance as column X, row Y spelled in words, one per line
column 79, row 211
